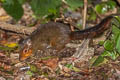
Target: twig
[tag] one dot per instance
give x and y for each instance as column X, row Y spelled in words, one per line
column 85, row 12
column 83, row 48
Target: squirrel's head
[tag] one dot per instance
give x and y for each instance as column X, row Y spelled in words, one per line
column 25, row 48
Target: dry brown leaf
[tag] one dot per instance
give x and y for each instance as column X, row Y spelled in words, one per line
column 3, row 42
column 52, row 63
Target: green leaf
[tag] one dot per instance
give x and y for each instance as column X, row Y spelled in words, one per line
column 118, row 18
column 2, row 1
column 42, row 8
column 100, row 8
column 74, row 4
column 101, row 43
column 100, row 60
column 116, row 21
column 70, row 66
column 106, row 53
column 92, row 15
column 92, row 60
column 33, row 68
column 118, row 43
column 76, row 69
column 105, row 6
column 5, row 48
column 115, row 30
column 46, row 58
column 111, row 54
column 29, row 73
column 22, row 1
column 111, row 4
column 108, row 45
column 114, row 55
column 13, row 8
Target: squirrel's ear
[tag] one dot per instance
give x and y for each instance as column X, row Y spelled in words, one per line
column 21, row 41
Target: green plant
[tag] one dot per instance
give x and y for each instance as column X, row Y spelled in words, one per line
column 112, row 45
column 105, row 6
column 41, row 8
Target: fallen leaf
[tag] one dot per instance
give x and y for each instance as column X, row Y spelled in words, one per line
column 3, row 42
column 11, row 45
column 52, row 63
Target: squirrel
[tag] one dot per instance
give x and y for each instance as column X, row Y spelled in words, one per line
column 55, row 36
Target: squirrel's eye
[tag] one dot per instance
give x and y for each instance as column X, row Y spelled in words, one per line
column 25, row 50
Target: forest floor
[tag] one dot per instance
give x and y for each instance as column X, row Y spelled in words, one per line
column 11, row 68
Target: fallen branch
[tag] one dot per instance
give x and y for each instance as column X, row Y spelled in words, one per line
column 16, row 28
